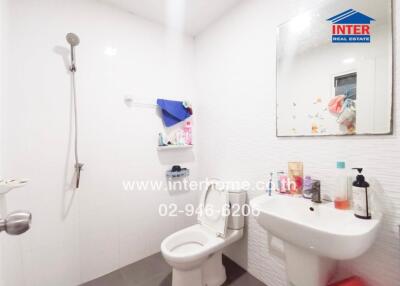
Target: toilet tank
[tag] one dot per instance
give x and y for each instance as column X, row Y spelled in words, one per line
column 237, row 199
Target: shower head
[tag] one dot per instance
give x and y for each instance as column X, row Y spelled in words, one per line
column 72, row 39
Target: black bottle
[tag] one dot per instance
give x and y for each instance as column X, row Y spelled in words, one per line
column 361, row 200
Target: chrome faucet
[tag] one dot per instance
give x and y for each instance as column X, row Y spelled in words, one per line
column 316, row 192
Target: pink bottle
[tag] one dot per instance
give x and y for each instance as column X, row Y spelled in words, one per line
column 283, row 186
column 188, row 133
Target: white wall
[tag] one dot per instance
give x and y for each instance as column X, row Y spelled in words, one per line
column 106, row 227
column 236, row 72
column 3, row 21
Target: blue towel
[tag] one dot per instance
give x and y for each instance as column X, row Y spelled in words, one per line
column 173, row 112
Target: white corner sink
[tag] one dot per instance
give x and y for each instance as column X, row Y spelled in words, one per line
column 315, row 234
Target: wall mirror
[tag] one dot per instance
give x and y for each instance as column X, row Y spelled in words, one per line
column 334, row 70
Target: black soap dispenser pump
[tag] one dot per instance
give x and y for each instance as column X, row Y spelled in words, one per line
column 361, row 199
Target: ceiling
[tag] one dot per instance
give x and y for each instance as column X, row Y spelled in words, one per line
column 190, row 16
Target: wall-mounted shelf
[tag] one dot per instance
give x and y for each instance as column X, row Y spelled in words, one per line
column 8, row 185
column 5, row 187
column 177, row 174
column 173, row 147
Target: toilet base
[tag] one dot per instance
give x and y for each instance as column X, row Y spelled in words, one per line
column 214, row 273
column 211, row 273
column 192, row 277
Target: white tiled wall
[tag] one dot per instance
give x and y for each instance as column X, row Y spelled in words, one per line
column 236, row 72
column 76, row 237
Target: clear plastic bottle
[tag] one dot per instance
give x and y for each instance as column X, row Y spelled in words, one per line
column 341, row 197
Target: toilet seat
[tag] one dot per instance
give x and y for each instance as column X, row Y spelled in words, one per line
column 213, row 209
column 193, row 245
column 187, row 247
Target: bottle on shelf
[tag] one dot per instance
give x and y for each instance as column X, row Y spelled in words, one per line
column 187, row 129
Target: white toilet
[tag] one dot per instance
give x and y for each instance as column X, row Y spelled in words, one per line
column 195, row 253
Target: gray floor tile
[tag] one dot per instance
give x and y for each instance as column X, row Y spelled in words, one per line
column 162, row 279
column 154, row 271
column 145, row 269
column 112, row 279
column 246, row 280
column 233, row 271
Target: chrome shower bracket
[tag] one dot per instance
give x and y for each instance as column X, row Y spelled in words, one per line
column 72, row 68
column 78, row 170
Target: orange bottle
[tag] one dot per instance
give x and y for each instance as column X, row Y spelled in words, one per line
column 341, row 197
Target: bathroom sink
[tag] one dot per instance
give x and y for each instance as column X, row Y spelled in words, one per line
column 314, row 233
column 329, row 232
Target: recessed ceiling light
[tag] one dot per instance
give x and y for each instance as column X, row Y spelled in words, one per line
column 110, row 51
column 349, row 61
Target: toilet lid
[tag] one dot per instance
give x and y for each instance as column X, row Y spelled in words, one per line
column 213, row 209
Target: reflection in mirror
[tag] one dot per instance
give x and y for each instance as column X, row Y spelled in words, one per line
column 334, row 70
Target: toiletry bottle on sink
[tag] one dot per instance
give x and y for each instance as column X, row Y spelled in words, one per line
column 307, row 187
column 341, row 197
column 361, row 196
column 282, row 183
column 295, row 177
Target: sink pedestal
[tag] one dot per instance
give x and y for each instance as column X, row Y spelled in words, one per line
column 307, row 269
